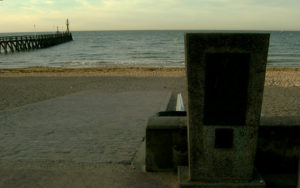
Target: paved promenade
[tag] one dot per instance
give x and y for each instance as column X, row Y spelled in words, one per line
column 86, row 127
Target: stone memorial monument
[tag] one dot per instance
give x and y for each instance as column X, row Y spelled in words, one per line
column 225, row 76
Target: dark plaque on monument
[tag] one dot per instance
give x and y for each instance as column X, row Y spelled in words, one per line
column 226, row 84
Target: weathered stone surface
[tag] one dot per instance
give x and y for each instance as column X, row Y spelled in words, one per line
column 165, row 143
column 225, row 76
column 184, row 182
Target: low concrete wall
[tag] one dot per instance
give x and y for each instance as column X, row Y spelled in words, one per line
column 277, row 151
column 163, row 136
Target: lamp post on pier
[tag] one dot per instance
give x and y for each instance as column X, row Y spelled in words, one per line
column 34, row 30
column 67, row 23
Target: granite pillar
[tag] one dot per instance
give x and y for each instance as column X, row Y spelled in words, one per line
column 225, row 79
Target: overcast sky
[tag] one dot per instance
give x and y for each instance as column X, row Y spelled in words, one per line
column 22, row 15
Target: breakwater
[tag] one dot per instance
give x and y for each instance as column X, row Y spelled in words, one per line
column 13, row 44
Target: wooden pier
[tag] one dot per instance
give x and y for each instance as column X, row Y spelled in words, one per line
column 13, row 44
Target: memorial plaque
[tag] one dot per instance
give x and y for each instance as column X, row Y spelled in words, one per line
column 224, row 138
column 226, row 84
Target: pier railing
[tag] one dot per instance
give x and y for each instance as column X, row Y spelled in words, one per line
column 12, row 44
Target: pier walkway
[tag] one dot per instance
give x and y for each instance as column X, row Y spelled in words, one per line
column 13, row 44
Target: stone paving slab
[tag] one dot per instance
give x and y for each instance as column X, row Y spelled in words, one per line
column 90, row 126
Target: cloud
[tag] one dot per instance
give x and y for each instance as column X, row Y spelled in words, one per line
column 152, row 14
column 50, row 2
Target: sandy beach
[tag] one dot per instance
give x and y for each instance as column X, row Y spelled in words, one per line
column 26, row 86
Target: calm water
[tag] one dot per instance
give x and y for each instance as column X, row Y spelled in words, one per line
column 136, row 49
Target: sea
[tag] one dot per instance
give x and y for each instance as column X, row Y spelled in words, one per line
column 153, row 48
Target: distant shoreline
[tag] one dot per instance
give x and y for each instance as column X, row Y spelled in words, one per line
column 109, row 69
column 281, row 77
column 100, row 69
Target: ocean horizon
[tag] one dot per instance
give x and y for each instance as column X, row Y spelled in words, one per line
column 137, row 48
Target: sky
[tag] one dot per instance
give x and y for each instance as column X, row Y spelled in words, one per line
column 46, row 15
